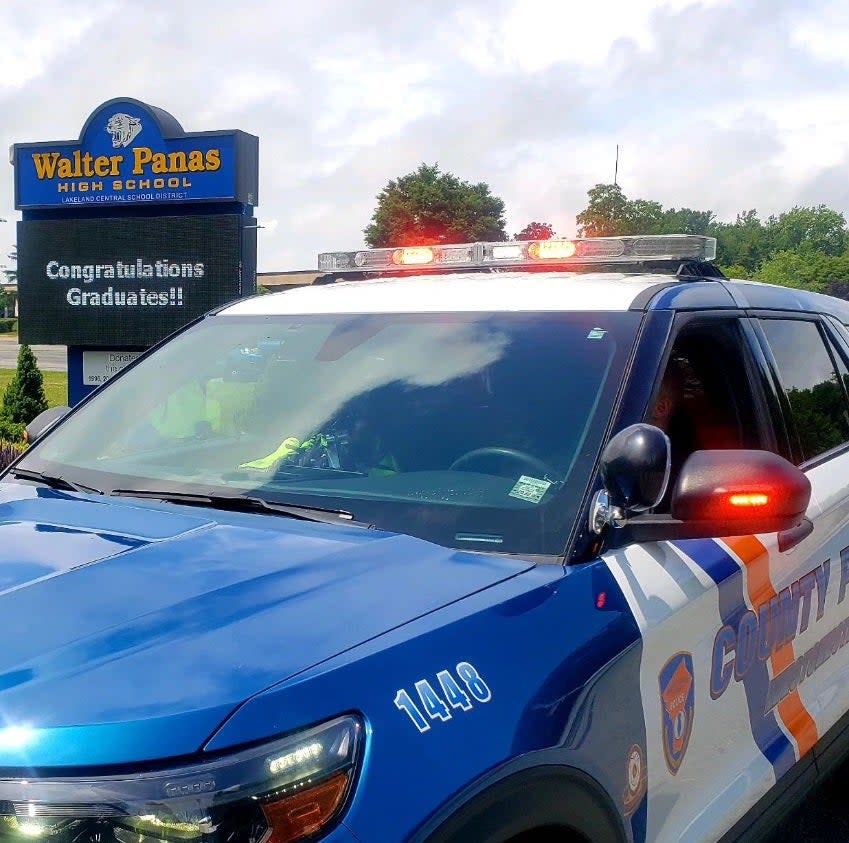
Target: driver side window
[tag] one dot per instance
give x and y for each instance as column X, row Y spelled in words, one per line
column 704, row 399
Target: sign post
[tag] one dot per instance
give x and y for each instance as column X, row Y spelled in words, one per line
column 129, row 233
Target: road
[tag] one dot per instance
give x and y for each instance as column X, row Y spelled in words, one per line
column 51, row 358
column 824, row 816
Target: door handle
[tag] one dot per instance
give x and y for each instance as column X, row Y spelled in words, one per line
column 792, row 537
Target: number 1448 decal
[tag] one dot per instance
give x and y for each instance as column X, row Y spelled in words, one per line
column 438, row 707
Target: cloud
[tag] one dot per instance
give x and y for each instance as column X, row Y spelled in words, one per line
column 715, row 104
column 829, row 186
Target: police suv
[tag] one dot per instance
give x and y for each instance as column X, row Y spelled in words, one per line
column 488, row 542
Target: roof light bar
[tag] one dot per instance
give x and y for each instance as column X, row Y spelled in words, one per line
column 550, row 249
column 588, row 250
column 413, row 255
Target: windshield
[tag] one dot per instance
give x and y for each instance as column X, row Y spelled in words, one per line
column 471, row 430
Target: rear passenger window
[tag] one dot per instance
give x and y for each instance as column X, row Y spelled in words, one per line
column 816, row 395
column 842, row 371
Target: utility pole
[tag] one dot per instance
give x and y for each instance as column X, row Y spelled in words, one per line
column 616, row 169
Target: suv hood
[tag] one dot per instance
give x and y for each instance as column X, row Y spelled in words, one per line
column 133, row 628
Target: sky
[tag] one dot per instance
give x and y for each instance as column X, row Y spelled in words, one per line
column 714, row 104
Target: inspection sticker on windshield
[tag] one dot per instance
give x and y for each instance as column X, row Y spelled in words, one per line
column 530, row 489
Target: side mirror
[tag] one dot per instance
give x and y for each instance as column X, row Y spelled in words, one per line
column 727, row 493
column 635, row 468
column 740, row 492
column 43, row 422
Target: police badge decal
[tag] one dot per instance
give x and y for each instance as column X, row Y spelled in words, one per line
column 636, row 780
column 677, row 696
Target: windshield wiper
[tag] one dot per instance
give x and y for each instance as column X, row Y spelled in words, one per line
column 238, row 503
column 54, row 482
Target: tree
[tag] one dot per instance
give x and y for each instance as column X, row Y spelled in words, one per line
column 686, row 221
column 642, row 216
column 839, row 288
column 736, row 270
column 7, row 302
column 606, row 213
column 790, row 269
column 743, row 242
column 11, row 273
column 819, row 229
column 24, row 398
column 806, row 248
column 610, row 213
column 818, row 232
column 807, row 269
column 7, row 297
column 535, row 231
column 815, row 410
column 428, row 207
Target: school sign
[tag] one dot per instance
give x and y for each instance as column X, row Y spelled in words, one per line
column 131, row 153
column 130, row 232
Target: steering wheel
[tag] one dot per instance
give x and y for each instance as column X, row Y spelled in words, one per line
column 536, row 467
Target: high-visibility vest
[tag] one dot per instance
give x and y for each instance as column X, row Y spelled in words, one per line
column 219, row 406
column 386, row 467
column 178, row 416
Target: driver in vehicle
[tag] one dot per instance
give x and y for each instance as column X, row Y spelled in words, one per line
column 669, row 397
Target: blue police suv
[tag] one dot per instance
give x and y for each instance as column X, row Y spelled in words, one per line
column 488, row 542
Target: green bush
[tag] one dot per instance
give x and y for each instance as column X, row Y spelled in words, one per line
column 24, row 398
column 8, row 326
column 10, row 431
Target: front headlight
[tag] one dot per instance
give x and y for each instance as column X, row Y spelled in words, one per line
column 275, row 793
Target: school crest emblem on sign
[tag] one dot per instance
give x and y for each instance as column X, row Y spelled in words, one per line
column 123, row 129
column 677, row 697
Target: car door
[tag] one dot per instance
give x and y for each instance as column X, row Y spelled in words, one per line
column 711, row 610
column 810, row 362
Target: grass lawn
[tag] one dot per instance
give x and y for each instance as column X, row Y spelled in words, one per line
column 55, row 385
